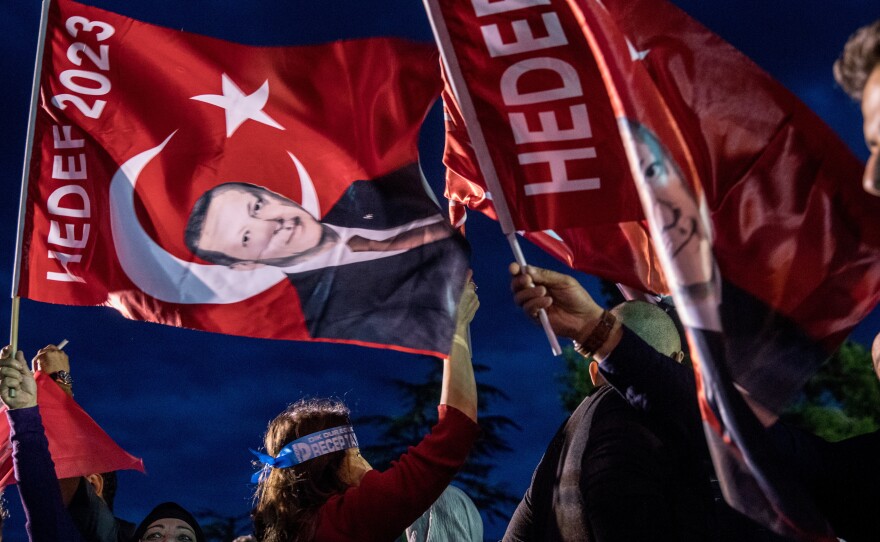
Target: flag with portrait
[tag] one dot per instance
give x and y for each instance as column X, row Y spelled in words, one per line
column 261, row 191
column 750, row 213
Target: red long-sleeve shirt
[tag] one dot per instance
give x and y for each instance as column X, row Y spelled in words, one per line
column 386, row 503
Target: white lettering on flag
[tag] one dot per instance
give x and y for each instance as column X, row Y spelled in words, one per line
column 559, row 181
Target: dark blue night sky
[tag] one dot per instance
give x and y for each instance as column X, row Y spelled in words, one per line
column 191, row 403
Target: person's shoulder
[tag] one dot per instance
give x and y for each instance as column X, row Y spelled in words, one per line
column 610, row 408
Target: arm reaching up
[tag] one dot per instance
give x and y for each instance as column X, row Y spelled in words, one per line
column 459, row 389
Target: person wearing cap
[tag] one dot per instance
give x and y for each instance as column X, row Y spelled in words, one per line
column 47, row 519
column 169, row 522
column 316, row 486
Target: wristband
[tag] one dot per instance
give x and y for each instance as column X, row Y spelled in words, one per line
column 597, row 337
column 62, row 377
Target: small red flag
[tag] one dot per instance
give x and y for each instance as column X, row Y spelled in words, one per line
column 77, row 443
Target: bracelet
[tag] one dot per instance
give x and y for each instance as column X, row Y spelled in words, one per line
column 62, row 377
column 597, row 336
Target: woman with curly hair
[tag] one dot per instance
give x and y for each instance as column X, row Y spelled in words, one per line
column 316, row 486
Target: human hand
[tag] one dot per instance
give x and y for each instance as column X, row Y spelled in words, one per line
column 51, row 359
column 570, row 309
column 15, row 376
column 467, row 304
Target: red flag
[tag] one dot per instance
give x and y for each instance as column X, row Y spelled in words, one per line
column 329, row 234
column 795, row 238
column 795, row 241
column 78, row 445
column 551, row 138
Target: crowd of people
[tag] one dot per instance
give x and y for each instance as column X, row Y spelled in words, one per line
column 629, row 464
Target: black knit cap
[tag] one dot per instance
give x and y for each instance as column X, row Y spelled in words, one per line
column 169, row 510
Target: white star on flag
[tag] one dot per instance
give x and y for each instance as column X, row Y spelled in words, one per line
column 240, row 107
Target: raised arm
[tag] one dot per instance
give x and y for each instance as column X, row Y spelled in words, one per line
column 47, row 518
column 54, row 362
column 402, row 493
column 645, row 377
column 459, row 389
column 572, row 311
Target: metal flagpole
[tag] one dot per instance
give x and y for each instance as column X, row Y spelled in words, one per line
column 481, row 148
column 26, row 170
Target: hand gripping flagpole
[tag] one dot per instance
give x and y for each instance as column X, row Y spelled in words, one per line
column 26, row 170
column 481, row 148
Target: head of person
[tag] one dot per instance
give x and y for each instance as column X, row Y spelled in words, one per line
column 652, row 324
column 287, row 499
column 104, row 485
column 243, row 226
column 858, row 73
column 169, row 522
column 678, row 214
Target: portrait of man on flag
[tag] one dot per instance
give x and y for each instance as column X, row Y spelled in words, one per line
column 384, row 232
column 239, row 189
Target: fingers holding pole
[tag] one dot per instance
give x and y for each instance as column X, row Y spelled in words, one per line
column 542, row 314
column 13, row 333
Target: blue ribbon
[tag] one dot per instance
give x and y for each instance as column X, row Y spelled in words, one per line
column 326, row 441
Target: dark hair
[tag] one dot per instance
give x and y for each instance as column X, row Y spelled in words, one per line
column 861, row 55
column 196, row 222
column 287, row 500
column 109, row 491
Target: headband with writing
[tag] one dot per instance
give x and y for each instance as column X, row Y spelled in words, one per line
column 326, row 441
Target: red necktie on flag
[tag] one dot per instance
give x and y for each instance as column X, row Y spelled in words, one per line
column 766, row 195
column 315, row 223
column 77, row 443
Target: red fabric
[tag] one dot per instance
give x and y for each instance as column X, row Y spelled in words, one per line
column 77, row 443
column 796, row 240
column 792, row 225
column 386, row 503
column 347, row 110
column 752, row 480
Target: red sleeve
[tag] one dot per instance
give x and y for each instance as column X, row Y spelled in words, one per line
column 386, row 503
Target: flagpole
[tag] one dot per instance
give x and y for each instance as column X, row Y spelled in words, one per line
column 481, row 148
column 26, row 170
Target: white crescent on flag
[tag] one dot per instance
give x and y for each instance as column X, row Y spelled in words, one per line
column 168, row 278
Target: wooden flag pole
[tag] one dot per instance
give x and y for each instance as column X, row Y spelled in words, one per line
column 481, row 148
column 25, row 175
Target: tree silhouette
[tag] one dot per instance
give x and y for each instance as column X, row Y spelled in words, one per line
column 842, row 399
column 404, row 430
